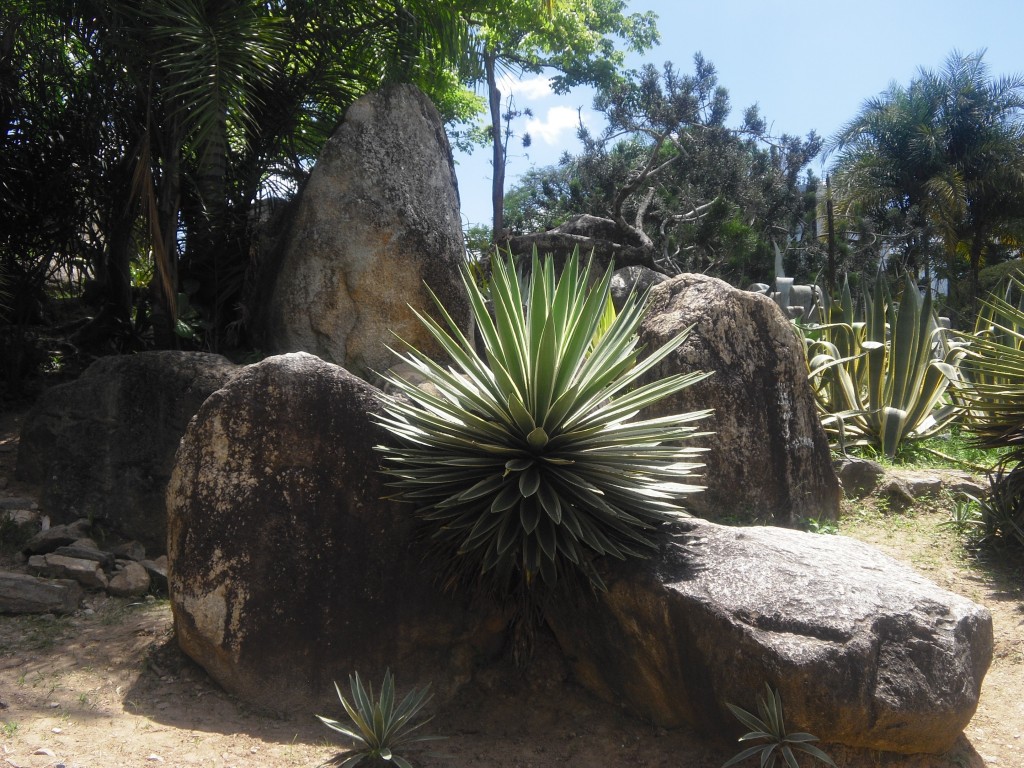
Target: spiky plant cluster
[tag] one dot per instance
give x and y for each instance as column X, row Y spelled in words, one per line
column 528, row 460
column 993, row 395
column 379, row 726
column 769, row 728
column 881, row 380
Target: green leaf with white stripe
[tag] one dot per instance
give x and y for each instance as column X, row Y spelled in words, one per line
column 559, row 468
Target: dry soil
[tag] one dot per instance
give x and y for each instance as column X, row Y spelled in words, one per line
column 107, row 687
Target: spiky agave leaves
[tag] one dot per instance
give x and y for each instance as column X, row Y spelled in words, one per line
column 528, row 460
column 379, row 726
column 882, row 381
column 993, row 395
column 770, row 730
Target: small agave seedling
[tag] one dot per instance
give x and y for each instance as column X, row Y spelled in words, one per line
column 377, row 725
column 770, row 728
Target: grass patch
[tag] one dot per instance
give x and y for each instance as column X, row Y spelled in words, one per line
column 936, row 534
column 914, row 534
column 950, row 450
column 821, row 525
column 41, row 633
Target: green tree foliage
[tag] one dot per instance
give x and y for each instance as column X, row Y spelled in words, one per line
column 675, row 178
column 137, row 127
column 154, row 130
column 937, row 168
column 49, row 157
column 576, row 39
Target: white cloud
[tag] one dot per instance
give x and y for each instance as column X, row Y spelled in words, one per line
column 532, row 88
column 557, row 121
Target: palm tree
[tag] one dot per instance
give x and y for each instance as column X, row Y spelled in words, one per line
column 981, row 126
column 938, row 161
column 886, row 157
column 195, row 64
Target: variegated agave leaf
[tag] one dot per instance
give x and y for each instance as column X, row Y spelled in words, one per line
column 527, row 460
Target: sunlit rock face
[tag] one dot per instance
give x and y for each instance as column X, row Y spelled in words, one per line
column 377, row 229
column 863, row 650
column 768, row 459
column 288, row 569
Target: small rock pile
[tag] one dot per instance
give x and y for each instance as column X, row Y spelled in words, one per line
column 902, row 488
column 62, row 562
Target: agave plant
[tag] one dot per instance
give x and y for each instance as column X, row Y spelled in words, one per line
column 995, row 346
column 882, row 381
column 377, row 725
column 527, row 460
column 993, row 394
column 770, row 730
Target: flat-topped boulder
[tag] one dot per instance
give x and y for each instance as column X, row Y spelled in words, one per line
column 863, row 650
column 23, row 593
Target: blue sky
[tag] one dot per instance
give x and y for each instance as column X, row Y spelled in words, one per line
column 809, row 65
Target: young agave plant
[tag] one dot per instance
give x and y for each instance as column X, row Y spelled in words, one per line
column 770, row 730
column 378, row 726
column 528, row 461
column 882, row 381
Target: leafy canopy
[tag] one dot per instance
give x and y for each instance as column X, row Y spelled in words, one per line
column 937, row 168
column 689, row 191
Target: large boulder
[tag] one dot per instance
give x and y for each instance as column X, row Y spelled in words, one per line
column 863, row 651
column 377, row 228
column 288, row 567
column 768, row 459
column 102, row 447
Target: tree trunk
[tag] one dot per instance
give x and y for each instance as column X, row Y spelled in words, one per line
column 165, row 240
column 207, row 245
column 977, row 245
column 212, row 182
column 112, row 261
column 498, row 156
column 118, row 281
column 830, row 275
